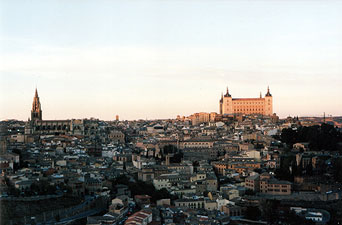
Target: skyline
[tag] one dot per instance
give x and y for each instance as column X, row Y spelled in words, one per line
column 323, row 115
column 158, row 60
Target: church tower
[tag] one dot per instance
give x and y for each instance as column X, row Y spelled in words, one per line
column 221, row 102
column 36, row 112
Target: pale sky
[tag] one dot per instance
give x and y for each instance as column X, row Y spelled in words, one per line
column 157, row 59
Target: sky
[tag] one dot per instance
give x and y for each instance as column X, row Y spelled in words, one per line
column 159, row 59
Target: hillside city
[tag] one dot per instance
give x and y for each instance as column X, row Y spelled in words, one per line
column 206, row 168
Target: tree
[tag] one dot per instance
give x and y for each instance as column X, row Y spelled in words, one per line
column 288, row 136
column 336, row 166
column 284, row 172
column 169, row 149
column 270, row 210
column 57, row 218
column 249, row 192
column 42, row 188
column 324, row 137
column 160, row 194
column 177, row 158
column 121, row 180
column 253, row 213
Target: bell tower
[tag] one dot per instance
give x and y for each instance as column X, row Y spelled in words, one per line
column 36, row 112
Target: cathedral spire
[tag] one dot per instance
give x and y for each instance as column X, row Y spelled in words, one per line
column 260, row 94
column 36, row 112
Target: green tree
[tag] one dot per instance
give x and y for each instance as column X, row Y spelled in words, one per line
column 57, row 218
column 160, row 194
column 324, row 137
column 270, row 210
column 169, row 149
column 177, row 158
column 249, row 192
column 336, row 166
column 253, row 213
column 287, row 164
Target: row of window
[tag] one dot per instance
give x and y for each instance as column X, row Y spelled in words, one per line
column 246, row 110
column 191, row 205
column 196, row 143
column 249, row 103
column 275, row 185
column 235, row 213
column 53, row 127
column 275, row 190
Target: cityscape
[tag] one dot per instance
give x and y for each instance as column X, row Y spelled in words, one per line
column 169, row 113
column 244, row 165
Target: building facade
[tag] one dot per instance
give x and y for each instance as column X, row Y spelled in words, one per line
column 262, row 106
column 267, row 184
